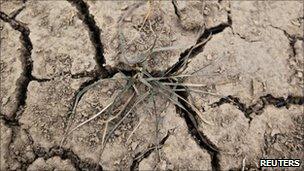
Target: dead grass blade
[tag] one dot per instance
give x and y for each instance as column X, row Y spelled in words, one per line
column 85, row 89
column 209, row 64
column 141, row 98
column 187, row 57
column 174, row 101
column 123, row 109
column 107, row 106
column 178, row 76
column 182, row 84
column 136, row 127
column 197, row 111
column 150, row 9
column 162, row 86
column 93, row 117
column 192, row 49
column 104, row 133
column 145, row 82
column 156, row 127
column 78, row 96
column 119, row 95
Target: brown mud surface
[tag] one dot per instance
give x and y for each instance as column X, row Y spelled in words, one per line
column 64, row 61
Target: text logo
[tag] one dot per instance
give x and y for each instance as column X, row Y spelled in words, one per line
column 280, row 163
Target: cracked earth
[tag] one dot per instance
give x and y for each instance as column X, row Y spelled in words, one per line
column 247, row 56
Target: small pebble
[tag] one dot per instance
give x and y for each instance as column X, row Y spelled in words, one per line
column 124, row 7
column 134, row 145
column 206, row 11
column 209, row 57
column 300, row 74
column 128, row 19
column 117, row 132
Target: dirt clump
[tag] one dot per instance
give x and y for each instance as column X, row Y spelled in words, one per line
column 11, row 69
column 6, row 136
column 51, row 164
column 61, row 41
column 46, row 109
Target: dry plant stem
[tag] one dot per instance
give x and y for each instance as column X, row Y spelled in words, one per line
column 109, row 120
column 104, row 133
column 183, row 84
column 162, row 86
column 71, row 117
column 244, row 164
column 148, row 52
column 122, row 110
column 177, row 76
column 186, row 58
column 143, row 56
column 16, row 12
column 186, row 101
column 150, row 26
column 191, row 50
column 156, row 128
column 168, row 96
column 139, row 57
column 141, row 98
column 93, row 117
column 128, row 12
column 135, row 89
column 78, row 96
column 209, row 64
column 147, row 15
column 134, row 130
column 148, row 149
column 119, row 30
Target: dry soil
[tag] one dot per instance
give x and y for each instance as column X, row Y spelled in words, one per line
column 247, row 57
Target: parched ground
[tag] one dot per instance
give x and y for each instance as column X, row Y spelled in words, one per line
column 64, row 61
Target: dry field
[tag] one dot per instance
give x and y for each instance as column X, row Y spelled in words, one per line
column 150, row 85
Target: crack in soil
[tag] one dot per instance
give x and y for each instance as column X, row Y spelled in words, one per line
column 54, row 151
column 176, row 10
column 292, row 39
column 96, row 76
column 289, row 36
column 93, row 74
column 94, row 32
column 259, row 106
column 145, row 154
column 201, row 139
column 26, row 62
column 197, row 48
column 9, row 122
column 66, row 154
column 79, row 93
column 104, row 72
column 190, row 119
column 16, row 12
column 24, row 162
